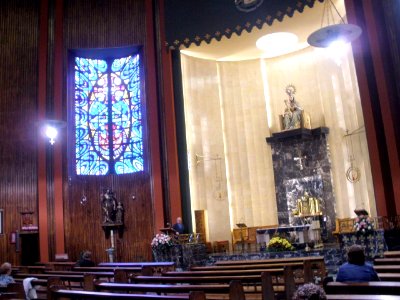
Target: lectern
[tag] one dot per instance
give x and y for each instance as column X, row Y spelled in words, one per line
column 168, row 231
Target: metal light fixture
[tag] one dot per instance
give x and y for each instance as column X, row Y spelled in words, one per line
column 333, row 33
column 50, row 129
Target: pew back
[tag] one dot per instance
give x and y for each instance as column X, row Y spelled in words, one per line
column 368, row 288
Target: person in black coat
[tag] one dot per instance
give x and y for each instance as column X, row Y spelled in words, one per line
column 86, row 260
column 178, row 226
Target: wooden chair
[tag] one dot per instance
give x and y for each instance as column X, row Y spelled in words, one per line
column 344, row 225
column 221, row 246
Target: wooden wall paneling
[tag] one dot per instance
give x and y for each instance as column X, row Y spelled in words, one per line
column 18, row 90
column 114, row 23
column 382, row 64
column 371, row 103
column 161, row 211
column 171, row 147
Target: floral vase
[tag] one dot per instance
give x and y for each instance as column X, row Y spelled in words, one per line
column 161, row 255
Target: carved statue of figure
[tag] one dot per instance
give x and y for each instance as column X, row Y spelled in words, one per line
column 303, row 204
column 119, row 219
column 292, row 114
column 311, row 205
column 109, row 207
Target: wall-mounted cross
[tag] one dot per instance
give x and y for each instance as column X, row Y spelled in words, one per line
column 300, row 161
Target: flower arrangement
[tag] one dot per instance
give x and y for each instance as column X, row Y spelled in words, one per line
column 161, row 242
column 309, row 291
column 363, row 224
column 278, row 243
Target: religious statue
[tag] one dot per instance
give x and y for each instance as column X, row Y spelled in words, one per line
column 307, row 205
column 119, row 219
column 109, row 207
column 292, row 114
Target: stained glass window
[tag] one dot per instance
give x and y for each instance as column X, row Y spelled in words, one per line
column 108, row 120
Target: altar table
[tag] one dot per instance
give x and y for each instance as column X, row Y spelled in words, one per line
column 301, row 232
column 374, row 243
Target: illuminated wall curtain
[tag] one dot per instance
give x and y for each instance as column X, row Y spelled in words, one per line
column 226, row 115
column 204, row 136
column 249, row 158
column 108, row 119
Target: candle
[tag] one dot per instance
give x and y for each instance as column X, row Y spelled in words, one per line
column 112, row 238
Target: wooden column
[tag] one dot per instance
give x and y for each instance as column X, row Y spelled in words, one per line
column 41, row 143
column 58, row 113
column 377, row 83
column 174, row 189
column 153, row 116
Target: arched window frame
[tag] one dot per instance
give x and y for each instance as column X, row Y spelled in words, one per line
column 107, row 55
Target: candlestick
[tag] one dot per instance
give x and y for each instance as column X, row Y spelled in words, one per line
column 112, row 238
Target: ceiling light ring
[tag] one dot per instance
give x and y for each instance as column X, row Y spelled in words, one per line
column 323, row 37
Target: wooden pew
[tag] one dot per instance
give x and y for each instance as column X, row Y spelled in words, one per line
column 221, row 272
column 368, row 288
column 40, row 286
column 57, row 293
column 56, row 290
column 268, row 261
column 361, row 297
column 72, row 281
column 392, row 254
column 12, row 291
column 97, row 274
column 304, row 272
column 387, row 268
column 60, row 265
column 195, row 279
column 107, row 269
column 246, row 267
column 31, row 269
column 138, row 264
column 63, row 277
column 284, row 280
column 234, row 289
column 389, row 276
column 158, row 267
column 387, row 261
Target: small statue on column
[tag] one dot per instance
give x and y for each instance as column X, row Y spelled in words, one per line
column 119, row 218
column 109, row 207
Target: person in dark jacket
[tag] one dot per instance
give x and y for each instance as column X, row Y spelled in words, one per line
column 178, row 226
column 356, row 269
column 85, row 260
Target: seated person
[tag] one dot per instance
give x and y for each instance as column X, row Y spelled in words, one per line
column 356, row 270
column 178, row 226
column 5, row 274
column 85, row 260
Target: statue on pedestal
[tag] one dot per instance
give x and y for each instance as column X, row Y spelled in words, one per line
column 109, row 207
column 119, row 217
column 292, row 114
column 307, row 205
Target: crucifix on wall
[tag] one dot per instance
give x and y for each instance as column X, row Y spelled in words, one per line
column 300, row 160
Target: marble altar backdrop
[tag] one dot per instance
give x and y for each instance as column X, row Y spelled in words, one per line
column 301, row 164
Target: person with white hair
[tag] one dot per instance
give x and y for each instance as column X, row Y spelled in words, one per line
column 5, row 274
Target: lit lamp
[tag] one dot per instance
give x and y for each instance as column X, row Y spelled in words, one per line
column 50, row 129
column 328, row 35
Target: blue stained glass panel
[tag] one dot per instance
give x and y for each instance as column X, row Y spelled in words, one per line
column 108, row 120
